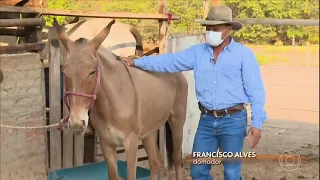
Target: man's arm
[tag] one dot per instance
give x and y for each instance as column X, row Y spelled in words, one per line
column 254, row 88
column 170, row 62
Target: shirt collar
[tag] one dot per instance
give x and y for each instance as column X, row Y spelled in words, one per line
column 229, row 47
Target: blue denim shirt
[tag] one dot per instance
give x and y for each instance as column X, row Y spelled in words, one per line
column 234, row 79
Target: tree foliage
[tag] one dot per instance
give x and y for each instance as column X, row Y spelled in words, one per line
column 193, row 9
column 280, row 9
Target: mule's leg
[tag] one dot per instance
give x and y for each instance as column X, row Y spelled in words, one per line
column 176, row 123
column 155, row 161
column 131, row 148
column 110, row 155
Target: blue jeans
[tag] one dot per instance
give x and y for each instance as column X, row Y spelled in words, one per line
column 226, row 133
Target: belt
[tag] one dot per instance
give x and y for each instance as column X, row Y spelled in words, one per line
column 221, row 112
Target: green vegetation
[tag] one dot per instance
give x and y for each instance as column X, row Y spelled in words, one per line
column 282, row 9
column 193, row 9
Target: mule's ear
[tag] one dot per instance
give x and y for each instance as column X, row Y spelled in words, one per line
column 62, row 35
column 96, row 42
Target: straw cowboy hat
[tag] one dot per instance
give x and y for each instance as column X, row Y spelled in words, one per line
column 220, row 15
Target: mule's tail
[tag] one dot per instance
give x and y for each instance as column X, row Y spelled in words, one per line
column 137, row 36
column 1, row 76
column 169, row 145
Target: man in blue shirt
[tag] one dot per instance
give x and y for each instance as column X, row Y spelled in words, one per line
column 227, row 76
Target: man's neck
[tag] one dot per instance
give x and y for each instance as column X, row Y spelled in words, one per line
column 225, row 43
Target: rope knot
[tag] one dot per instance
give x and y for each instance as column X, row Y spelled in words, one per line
column 169, row 18
column 94, row 97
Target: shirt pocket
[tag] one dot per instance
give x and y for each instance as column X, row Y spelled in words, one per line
column 205, row 69
column 231, row 70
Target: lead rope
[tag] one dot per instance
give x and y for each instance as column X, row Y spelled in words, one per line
column 30, row 127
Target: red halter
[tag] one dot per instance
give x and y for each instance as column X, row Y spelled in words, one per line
column 93, row 96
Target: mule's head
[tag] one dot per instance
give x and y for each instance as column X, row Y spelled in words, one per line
column 81, row 75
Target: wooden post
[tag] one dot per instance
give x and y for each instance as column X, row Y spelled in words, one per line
column 67, row 154
column 54, row 93
column 78, row 150
column 205, row 10
column 163, row 29
column 67, row 135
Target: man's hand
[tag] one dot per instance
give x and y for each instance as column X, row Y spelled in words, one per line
column 254, row 135
column 128, row 60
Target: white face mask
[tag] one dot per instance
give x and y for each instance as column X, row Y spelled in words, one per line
column 214, row 38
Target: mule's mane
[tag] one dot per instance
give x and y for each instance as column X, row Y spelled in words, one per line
column 82, row 41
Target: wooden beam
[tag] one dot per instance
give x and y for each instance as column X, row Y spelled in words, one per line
column 29, row 47
column 278, row 22
column 163, row 36
column 116, row 15
column 22, row 22
column 55, row 105
column 13, row 32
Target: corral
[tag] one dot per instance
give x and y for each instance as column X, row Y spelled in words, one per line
column 23, row 103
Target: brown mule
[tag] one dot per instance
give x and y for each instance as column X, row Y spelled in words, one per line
column 127, row 104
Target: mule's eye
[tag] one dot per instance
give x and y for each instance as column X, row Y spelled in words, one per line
column 92, row 73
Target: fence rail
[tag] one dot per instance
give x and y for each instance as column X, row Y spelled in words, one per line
column 277, row 22
column 78, row 13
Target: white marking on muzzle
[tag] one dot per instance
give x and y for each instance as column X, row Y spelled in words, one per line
column 81, row 115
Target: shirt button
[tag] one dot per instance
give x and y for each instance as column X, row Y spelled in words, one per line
column 215, row 82
column 214, row 95
column 215, row 68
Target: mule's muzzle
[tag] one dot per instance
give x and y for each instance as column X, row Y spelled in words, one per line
column 77, row 126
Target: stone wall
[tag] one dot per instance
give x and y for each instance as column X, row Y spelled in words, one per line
column 22, row 104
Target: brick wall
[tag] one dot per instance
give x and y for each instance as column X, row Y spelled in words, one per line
column 22, row 104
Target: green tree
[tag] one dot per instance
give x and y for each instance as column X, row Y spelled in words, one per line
column 59, row 4
column 192, row 9
column 281, row 9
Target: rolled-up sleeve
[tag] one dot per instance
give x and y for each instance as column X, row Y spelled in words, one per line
column 254, row 88
column 169, row 62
